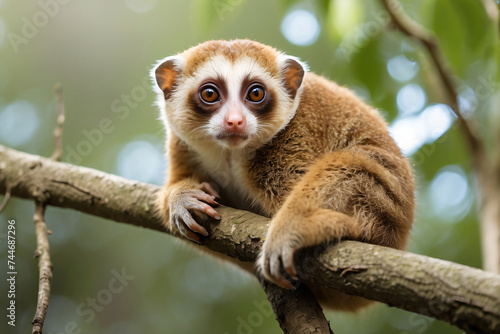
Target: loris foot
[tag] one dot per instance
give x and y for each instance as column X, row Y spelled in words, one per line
column 290, row 231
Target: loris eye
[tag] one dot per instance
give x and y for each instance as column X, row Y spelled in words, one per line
column 209, row 94
column 256, row 93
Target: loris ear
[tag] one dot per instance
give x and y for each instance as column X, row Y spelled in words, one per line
column 293, row 74
column 166, row 74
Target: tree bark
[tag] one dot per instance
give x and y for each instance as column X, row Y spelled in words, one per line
column 45, row 265
column 296, row 310
column 460, row 295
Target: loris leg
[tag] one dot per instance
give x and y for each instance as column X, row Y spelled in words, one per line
column 344, row 195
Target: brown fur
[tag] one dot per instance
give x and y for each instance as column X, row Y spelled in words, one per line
column 333, row 173
column 232, row 50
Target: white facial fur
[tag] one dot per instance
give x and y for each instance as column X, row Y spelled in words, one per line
column 233, row 75
column 178, row 116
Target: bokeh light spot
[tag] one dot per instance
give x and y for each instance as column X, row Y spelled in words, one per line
column 402, row 69
column 410, row 99
column 437, row 120
column 18, row 123
column 407, row 134
column 142, row 161
column 412, row 131
column 300, row 27
column 450, row 194
column 467, row 100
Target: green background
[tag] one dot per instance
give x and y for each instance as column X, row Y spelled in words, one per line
column 101, row 53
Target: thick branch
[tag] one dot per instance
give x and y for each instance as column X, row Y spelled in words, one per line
column 460, row 295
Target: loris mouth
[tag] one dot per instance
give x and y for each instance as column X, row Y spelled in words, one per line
column 232, row 136
column 233, row 139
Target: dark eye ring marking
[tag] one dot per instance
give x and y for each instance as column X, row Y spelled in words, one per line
column 256, row 93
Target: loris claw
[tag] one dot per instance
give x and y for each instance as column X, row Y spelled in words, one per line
column 275, row 260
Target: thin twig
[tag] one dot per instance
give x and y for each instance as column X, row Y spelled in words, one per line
column 8, row 191
column 45, row 265
column 42, row 250
column 60, row 122
column 412, row 29
column 5, row 198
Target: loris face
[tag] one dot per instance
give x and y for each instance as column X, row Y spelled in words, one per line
column 234, row 94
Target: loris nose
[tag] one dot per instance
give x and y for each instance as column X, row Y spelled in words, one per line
column 235, row 120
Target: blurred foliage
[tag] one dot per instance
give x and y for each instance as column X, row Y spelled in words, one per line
column 101, row 52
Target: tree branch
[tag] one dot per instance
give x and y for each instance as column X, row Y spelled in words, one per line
column 460, row 295
column 60, row 122
column 43, row 255
column 7, row 193
column 296, row 311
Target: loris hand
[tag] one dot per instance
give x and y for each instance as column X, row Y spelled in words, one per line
column 182, row 200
